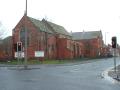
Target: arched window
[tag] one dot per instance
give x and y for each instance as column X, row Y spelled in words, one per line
column 23, row 36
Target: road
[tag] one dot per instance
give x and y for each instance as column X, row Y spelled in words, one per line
column 79, row 76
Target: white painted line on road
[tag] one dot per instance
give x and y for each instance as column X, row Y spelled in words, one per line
column 75, row 70
column 76, row 65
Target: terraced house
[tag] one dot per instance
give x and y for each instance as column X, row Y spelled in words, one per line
column 52, row 39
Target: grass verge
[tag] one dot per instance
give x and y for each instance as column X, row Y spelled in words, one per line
column 36, row 62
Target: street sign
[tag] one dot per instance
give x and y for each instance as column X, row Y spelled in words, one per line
column 39, row 53
column 19, row 54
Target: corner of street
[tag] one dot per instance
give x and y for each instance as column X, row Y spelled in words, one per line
column 115, row 75
column 111, row 75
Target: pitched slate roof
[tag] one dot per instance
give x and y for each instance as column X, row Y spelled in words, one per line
column 58, row 29
column 43, row 27
column 86, row 35
column 40, row 25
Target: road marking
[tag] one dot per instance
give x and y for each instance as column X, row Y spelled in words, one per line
column 76, row 65
column 75, row 70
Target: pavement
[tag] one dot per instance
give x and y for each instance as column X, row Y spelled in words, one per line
column 115, row 74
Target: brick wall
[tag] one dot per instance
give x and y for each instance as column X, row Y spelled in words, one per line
column 91, row 47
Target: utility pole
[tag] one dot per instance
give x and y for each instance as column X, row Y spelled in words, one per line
column 25, row 63
column 115, row 69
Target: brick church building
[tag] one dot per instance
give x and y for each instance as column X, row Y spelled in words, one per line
column 52, row 39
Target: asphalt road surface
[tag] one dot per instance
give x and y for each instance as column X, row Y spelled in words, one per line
column 78, row 76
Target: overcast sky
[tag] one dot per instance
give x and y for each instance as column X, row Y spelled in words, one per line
column 73, row 15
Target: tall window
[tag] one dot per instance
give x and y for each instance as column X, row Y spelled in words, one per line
column 22, row 37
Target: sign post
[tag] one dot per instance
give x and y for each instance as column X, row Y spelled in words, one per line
column 19, row 50
column 39, row 54
column 114, row 46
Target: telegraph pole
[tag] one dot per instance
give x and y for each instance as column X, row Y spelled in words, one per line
column 25, row 63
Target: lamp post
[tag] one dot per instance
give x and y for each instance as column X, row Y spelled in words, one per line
column 25, row 63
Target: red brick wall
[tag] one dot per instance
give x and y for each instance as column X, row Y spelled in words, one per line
column 60, row 48
column 68, row 49
column 64, row 51
column 91, row 47
column 52, row 48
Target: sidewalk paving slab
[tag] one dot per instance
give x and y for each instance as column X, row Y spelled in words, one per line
column 113, row 74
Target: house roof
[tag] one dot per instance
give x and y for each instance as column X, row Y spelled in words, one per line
column 43, row 27
column 86, row 35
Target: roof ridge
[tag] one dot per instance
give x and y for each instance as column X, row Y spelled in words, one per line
column 54, row 28
column 60, row 27
column 40, row 25
column 34, row 18
column 55, row 24
column 87, row 35
column 86, row 31
column 46, row 22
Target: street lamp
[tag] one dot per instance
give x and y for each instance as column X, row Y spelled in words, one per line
column 25, row 63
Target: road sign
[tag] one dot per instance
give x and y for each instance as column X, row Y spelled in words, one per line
column 19, row 54
column 39, row 53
